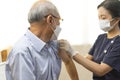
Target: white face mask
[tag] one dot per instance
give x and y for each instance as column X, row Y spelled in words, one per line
column 56, row 33
column 105, row 25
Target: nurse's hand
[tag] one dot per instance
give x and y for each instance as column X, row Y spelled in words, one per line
column 65, row 45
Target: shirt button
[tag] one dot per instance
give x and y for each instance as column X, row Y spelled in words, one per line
column 112, row 41
column 105, row 51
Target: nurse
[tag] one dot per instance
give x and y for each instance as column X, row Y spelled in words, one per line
column 104, row 57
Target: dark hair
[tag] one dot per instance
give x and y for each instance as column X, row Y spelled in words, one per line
column 113, row 7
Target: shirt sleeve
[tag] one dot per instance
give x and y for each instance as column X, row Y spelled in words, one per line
column 92, row 50
column 21, row 68
column 113, row 57
column 98, row 41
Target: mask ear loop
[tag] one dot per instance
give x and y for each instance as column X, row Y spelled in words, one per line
column 115, row 22
column 119, row 23
column 53, row 28
column 50, row 21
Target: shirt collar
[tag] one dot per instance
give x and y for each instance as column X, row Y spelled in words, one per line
column 37, row 43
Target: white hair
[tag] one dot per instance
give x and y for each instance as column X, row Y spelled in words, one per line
column 41, row 9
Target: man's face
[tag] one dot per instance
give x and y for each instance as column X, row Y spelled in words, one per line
column 55, row 22
column 52, row 23
column 55, row 28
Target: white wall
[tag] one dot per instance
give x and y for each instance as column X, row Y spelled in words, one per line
column 79, row 25
column 13, row 20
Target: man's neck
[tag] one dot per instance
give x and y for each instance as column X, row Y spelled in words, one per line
column 37, row 30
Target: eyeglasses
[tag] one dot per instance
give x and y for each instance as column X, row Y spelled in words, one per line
column 60, row 19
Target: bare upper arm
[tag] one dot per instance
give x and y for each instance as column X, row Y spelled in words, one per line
column 64, row 56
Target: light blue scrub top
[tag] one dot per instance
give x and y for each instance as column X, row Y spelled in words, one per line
column 33, row 59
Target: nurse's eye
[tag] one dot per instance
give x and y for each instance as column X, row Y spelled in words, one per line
column 103, row 18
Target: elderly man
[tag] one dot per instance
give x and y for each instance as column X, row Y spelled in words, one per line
column 36, row 56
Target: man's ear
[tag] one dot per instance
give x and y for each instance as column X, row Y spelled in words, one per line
column 50, row 19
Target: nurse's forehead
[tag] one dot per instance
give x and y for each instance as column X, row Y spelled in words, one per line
column 103, row 12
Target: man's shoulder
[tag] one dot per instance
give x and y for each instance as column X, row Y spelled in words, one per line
column 21, row 46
